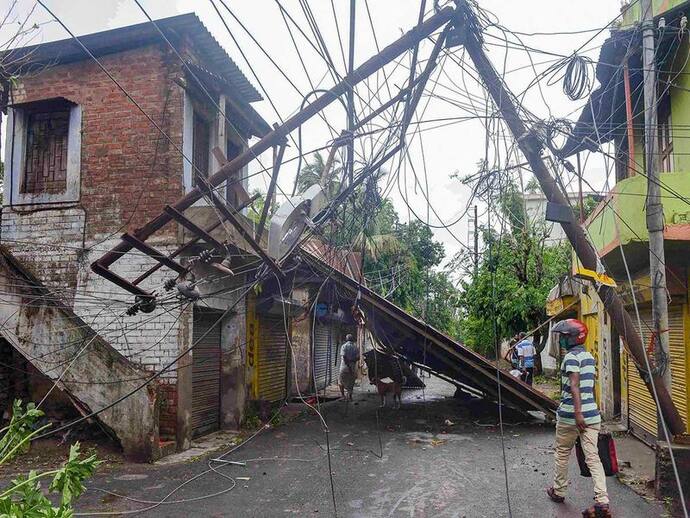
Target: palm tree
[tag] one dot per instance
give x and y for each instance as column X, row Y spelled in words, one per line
column 313, row 173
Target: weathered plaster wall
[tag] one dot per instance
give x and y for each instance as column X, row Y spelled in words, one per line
column 129, row 171
column 233, row 383
column 627, row 206
column 598, row 343
column 634, row 13
column 301, row 364
column 50, row 242
column 54, row 337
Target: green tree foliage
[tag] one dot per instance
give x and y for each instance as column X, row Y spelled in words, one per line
column 24, row 496
column 313, row 171
column 590, row 202
column 255, row 209
column 409, row 275
column 401, row 261
column 513, row 279
column 22, row 423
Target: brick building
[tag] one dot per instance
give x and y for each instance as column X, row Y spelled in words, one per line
column 83, row 165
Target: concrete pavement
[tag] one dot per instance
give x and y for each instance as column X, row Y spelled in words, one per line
column 436, row 457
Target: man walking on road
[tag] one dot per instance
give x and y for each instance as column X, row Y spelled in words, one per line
column 578, row 416
column 526, row 351
column 349, row 356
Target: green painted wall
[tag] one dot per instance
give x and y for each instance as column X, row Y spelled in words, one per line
column 627, row 201
column 633, row 14
column 628, row 196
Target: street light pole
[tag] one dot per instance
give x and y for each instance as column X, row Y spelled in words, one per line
column 351, row 96
column 655, row 209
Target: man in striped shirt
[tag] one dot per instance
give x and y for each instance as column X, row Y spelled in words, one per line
column 578, row 416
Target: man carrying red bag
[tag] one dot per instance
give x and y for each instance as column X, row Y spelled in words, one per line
column 578, row 416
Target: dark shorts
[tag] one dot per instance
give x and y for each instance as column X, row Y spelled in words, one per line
column 528, row 375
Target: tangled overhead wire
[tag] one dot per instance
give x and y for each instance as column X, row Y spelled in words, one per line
column 576, row 72
column 553, row 133
column 484, row 182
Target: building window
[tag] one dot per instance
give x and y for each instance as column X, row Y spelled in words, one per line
column 45, row 165
column 622, row 160
column 665, row 136
column 201, row 145
column 203, row 130
column 233, row 150
column 43, row 152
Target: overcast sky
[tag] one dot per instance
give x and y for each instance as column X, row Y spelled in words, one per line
column 440, row 150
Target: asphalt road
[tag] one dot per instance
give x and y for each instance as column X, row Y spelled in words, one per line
column 435, row 457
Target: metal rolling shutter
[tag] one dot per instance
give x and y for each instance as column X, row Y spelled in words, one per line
column 334, row 360
column 322, row 354
column 641, row 406
column 676, row 342
column 205, row 373
column 272, row 364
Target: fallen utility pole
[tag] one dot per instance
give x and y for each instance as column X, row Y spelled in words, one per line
column 273, row 138
column 655, row 209
column 351, row 96
column 531, row 148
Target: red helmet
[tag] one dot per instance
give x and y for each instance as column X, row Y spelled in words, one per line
column 573, row 329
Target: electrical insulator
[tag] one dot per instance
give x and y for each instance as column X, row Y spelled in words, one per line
column 145, row 303
column 205, row 256
column 188, row 290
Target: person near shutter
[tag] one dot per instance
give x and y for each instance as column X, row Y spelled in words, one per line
column 578, row 416
column 349, row 356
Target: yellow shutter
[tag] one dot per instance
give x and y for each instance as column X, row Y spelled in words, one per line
column 641, row 407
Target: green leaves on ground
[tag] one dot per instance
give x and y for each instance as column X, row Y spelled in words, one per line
column 24, row 497
column 68, row 480
column 21, row 425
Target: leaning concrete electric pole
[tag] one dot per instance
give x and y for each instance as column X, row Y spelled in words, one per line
column 531, row 148
column 655, row 209
column 351, row 96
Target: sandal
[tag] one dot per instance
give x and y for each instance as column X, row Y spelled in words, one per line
column 554, row 497
column 597, row 511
